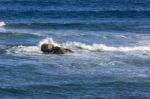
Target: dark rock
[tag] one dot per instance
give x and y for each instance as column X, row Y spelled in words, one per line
column 68, row 50
column 49, row 48
column 60, row 50
column 46, row 48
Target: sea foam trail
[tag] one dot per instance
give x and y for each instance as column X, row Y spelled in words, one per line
column 95, row 47
column 2, row 24
column 103, row 47
column 75, row 46
column 28, row 50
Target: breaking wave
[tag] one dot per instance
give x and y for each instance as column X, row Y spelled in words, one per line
column 75, row 46
column 103, row 47
column 2, row 24
column 31, row 50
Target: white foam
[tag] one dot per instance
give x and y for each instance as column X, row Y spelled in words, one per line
column 32, row 50
column 47, row 41
column 103, row 47
column 75, row 46
column 2, row 24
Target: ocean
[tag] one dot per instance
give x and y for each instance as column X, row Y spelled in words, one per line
column 110, row 40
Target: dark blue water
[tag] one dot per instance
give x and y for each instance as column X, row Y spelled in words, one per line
column 110, row 40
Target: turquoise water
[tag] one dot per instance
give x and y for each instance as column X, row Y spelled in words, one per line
column 110, row 38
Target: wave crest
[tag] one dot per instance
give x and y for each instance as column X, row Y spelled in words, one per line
column 103, row 47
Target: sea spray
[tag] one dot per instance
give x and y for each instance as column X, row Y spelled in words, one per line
column 47, row 41
column 2, row 24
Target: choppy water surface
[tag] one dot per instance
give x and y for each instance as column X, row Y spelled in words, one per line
column 110, row 40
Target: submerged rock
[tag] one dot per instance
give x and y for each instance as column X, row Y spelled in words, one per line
column 50, row 48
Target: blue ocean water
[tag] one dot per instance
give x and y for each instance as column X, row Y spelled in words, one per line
column 110, row 40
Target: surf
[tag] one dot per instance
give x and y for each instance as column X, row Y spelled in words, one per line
column 76, row 47
column 2, row 24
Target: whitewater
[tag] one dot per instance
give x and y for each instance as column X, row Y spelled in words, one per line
column 76, row 46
